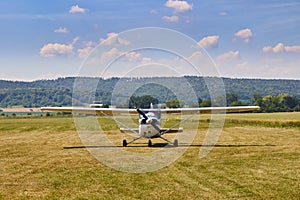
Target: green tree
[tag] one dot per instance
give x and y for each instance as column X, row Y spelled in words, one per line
column 237, row 103
column 205, row 103
column 287, row 102
column 230, row 98
column 174, row 103
column 142, row 101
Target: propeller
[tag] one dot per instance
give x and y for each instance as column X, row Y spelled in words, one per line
column 153, row 122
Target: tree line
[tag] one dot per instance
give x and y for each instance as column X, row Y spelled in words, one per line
column 279, row 103
column 270, row 95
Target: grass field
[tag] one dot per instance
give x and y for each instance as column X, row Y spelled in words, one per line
column 253, row 159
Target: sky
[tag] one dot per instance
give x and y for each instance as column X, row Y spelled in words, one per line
column 43, row 39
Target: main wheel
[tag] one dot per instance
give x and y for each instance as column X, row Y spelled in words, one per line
column 149, row 143
column 175, row 143
column 124, row 143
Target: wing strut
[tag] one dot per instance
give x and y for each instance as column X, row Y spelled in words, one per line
column 120, row 123
column 182, row 121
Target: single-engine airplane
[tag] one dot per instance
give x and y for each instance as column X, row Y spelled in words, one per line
column 149, row 119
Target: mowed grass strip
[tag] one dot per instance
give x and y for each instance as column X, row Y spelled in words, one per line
column 248, row 162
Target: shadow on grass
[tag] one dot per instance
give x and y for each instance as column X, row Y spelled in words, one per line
column 164, row 145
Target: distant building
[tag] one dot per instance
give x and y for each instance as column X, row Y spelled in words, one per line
column 97, row 104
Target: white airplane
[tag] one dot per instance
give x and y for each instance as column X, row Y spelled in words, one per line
column 149, row 119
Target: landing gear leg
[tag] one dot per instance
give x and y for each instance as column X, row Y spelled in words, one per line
column 175, row 143
column 125, row 143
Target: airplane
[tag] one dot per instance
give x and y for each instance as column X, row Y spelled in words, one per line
column 149, row 119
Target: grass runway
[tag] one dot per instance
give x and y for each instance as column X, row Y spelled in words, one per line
column 257, row 157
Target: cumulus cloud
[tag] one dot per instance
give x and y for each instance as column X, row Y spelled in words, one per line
column 245, row 34
column 173, row 18
column 56, row 49
column 209, row 41
column 113, row 39
column 229, row 55
column 179, row 6
column 77, row 9
column 86, row 50
column 61, row 30
column 280, row 47
column 131, row 56
column 196, row 57
column 267, row 49
column 146, row 60
column 112, row 53
column 292, row 49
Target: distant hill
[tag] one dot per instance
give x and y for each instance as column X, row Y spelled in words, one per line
column 58, row 92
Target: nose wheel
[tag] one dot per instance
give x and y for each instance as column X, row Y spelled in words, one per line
column 149, row 143
column 124, row 143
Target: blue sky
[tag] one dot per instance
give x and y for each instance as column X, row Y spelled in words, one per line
column 48, row 39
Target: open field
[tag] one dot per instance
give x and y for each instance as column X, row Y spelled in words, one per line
column 252, row 160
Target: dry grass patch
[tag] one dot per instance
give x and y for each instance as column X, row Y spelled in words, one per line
column 247, row 163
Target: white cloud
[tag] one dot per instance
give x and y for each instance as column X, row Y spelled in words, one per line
column 229, row 55
column 61, row 30
column 179, row 6
column 113, row 39
column 112, row 53
column 56, row 49
column 173, row 18
column 209, row 41
column 245, row 34
column 292, row 49
column 146, row 60
column 86, row 50
column 267, row 49
column 196, row 57
column 76, row 9
column 280, row 47
column 131, row 56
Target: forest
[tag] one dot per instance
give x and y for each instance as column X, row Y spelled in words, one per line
column 270, row 95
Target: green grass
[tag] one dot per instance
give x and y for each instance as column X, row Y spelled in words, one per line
column 248, row 162
column 274, row 120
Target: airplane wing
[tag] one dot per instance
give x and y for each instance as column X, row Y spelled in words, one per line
column 207, row 110
column 110, row 111
column 86, row 110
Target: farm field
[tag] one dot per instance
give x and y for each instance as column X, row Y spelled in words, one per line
column 257, row 157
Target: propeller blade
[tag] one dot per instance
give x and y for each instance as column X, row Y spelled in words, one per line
column 153, row 122
column 142, row 113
